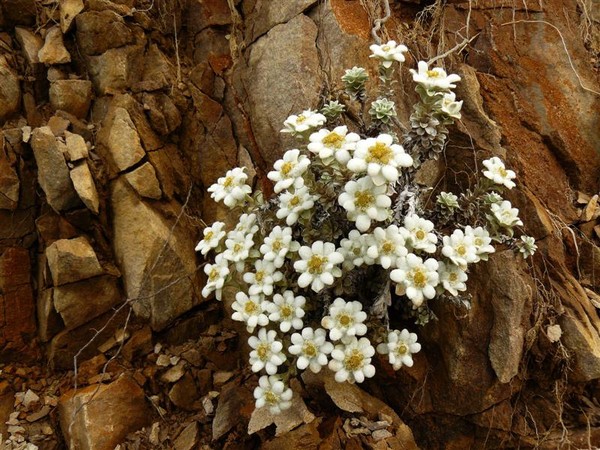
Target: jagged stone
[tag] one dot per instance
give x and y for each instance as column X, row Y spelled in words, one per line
column 48, row 320
column 73, row 300
column 144, row 181
column 116, row 69
column 188, row 438
column 266, row 14
column 230, row 409
column 141, row 236
column 84, row 185
column 123, row 141
column 68, row 11
column 10, row 90
column 164, row 115
column 10, row 184
column 171, row 171
column 99, row 31
column 72, row 96
column 288, row 48
column 72, row 260
column 53, row 173
column 19, row 12
column 54, row 50
column 59, row 125
column 76, row 147
column 158, row 72
column 30, row 44
column 117, row 409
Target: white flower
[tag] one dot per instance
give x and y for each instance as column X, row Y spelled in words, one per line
column 364, row 202
column 418, row 278
column 352, row 361
column 262, row 279
column 452, row 278
column 400, row 347
column 459, row 248
column 291, row 205
column 287, row 309
column 450, row 106
column 277, row 244
column 482, row 242
column 231, row 188
column 271, row 392
column 266, row 353
column 311, row 348
column 433, row 79
column 387, row 246
column 388, row 53
column 380, row 158
column 354, row 248
column 303, row 122
column 288, row 171
column 336, row 144
column 345, row 320
column 216, row 273
column 318, row 266
column 498, row 173
column 527, row 246
column 212, row 238
column 250, row 310
column 246, row 224
column 238, row 246
column 418, row 233
column 505, row 214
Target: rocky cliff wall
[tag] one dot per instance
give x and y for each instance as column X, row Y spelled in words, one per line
column 117, row 115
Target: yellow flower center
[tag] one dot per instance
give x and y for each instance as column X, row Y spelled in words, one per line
column 301, row 118
column 260, row 275
column 461, row 250
column 502, row 171
column 277, row 245
column 228, row 181
column 478, row 241
column 419, row 278
column 402, row 349
column 433, row 73
column 271, row 398
column 286, row 311
column 309, row 349
column 388, row 247
column 354, row 361
column 208, row 236
column 380, row 153
column 386, row 48
column 250, row 307
column 344, row 320
column 420, row 235
column 363, row 199
column 214, row 273
column 263, row 351
column 453, row 277
column 237, row 247
column 333, row 140
column 295, row 200
column 316, row 263
column 287, row 168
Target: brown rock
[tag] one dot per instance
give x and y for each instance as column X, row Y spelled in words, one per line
column 72, row 96
column 141, row 236
column 19, row 12
column 208, row 13
column 303, row 438
column 184, row 393
column 233, row 401
column 74, row 302
column 30, row 44
column 158, row 72
column 10, row 185
column 99, row 417
column 144, row 181
column 48, row 320
column 590, row 209
column 68, row 11
column 10, row 90
column 99, row 31
column 116, row 69
column 53, row 174
column 139, row 344
column 164, row 115
column 171, row 171
column 123, row 141
column 58, row 125
column 83, row 181
column 76, row 147
column 267, row 14
column 188, row 438
column 72, row 260
column 54, row 50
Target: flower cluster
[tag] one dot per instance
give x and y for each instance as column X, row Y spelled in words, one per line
column 309, row 264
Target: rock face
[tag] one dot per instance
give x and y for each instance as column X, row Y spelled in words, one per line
column 72, row 96
column 123, row 141
column 99, row 417
column 54, row 50
column 10, row 90
column 72, row 260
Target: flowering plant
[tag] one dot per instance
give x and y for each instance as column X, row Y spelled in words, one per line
column 313, row 266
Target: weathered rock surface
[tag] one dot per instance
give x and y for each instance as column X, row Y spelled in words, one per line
column 76, row 147
column 82, row 301
column 72, row 260
column 10, row 90
column 30, row 44
column 72, row 96
column 122, row 140
column 54, row 50
column 53, row 173
column 99, row 417
column 9, row 181
column 116, row 69
column 83, row 181
column 68, row 11
column 265, row 15
column 93, row 28
column 158, row 264
column 144, row 181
